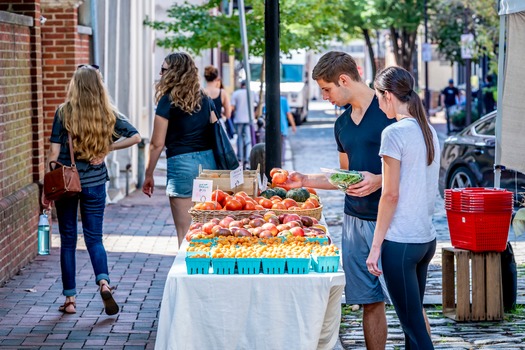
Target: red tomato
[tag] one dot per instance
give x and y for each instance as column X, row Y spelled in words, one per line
column 233, row 204
column 249, row 205
column 274, row 170
column 266, row 203
column 279, row 178
column 279, row 206
column 240, row 199
column 218, row 195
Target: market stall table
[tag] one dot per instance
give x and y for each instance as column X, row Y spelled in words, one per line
column 253, row 312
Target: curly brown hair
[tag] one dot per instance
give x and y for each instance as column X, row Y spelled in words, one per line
column 181, row 81
column 88, row 114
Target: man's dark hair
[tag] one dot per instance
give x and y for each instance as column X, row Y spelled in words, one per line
column 334, row 63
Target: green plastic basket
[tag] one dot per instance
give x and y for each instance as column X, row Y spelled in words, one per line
column 248, row 266
column 273, row 266
column 298, row 266
column 198, row 266
column 223, row 266
column 325, row 263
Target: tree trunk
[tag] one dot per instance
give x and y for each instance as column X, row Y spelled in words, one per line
column 366, row 34
column 404, row 44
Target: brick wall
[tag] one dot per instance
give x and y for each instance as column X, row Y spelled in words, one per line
column 63, row 49
column 36, row 63
column 21, row 151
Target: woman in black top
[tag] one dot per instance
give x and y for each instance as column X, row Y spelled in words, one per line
column 181, row 125
column 220, row 98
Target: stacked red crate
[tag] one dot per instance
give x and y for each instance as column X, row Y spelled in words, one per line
column 479, row 218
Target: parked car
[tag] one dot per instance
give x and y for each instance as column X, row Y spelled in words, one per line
column 467, row 160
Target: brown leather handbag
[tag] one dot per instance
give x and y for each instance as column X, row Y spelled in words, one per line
column 63, row 181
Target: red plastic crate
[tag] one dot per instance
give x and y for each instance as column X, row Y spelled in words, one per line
column 479, row 232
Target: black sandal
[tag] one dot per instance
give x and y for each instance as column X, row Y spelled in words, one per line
column 63, row 308
column 110, row 305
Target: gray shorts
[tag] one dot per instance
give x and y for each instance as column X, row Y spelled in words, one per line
column 183, row 169
column 361, row 286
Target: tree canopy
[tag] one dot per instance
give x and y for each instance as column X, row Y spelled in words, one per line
column 452, row 18
column 304, row 24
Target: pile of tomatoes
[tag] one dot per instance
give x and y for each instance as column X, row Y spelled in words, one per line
column 242, row 201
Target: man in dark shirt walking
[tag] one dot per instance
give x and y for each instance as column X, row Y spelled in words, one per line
column 449, row 99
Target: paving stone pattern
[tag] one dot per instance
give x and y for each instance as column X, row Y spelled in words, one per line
column 140, row 238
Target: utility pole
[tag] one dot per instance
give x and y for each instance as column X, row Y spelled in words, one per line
column 426, row 47
column 273, row 93
column 466, row 54
column 244, row 38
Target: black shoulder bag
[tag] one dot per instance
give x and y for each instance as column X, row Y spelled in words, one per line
column 225, row 156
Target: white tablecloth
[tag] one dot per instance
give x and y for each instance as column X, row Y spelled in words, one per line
column 249, row 311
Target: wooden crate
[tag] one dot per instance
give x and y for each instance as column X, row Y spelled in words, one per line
column 472, row 289
column 221, row 179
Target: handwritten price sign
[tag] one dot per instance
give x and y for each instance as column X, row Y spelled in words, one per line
column 202, row 190
column 236, row 177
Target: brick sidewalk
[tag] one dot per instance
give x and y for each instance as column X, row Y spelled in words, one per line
column 141, row 244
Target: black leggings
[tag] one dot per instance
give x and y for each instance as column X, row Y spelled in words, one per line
column 405, row 267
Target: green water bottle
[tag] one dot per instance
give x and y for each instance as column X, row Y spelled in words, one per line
column 43, row 234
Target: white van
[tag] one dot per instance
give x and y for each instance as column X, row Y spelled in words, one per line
column 295, row 81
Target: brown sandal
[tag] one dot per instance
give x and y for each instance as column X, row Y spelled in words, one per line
column 110, row 305
column 63, row 308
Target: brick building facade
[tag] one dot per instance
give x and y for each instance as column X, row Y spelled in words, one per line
column 36, row 63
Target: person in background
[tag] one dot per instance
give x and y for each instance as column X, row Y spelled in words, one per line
column 182, row 125
column 489, row 90
column 358, row 134
column 220, row 98
column 286, row 119
column 449, row 99
column 405, row 237
column 95, row 126
column 239, row 102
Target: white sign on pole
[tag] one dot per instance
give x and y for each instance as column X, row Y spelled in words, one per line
column 426, row 52
column 467, row 45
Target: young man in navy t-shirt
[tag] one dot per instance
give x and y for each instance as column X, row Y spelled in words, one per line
column 358, row 135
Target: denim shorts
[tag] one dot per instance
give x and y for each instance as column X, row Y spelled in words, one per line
column 183, row 169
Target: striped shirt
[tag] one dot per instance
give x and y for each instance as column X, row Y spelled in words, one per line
column 90, row 175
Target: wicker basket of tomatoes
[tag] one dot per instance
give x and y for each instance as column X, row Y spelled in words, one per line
column 239, row 205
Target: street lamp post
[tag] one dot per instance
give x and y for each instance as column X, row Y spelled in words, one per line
column 273, row 99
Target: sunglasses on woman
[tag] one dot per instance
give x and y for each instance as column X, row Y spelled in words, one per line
column 94, row 66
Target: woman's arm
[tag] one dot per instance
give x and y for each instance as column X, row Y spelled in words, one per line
column 226, row 104
column 158, row 139
column 125, row 143
column 387, row 208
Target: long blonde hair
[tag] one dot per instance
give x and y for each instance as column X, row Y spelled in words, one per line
column 88, row 114
column 181, row 81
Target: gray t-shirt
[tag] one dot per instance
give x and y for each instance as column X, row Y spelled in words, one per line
column 418, row 184
column 240, row 101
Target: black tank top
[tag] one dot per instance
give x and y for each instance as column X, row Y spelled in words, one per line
column 218, row 103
